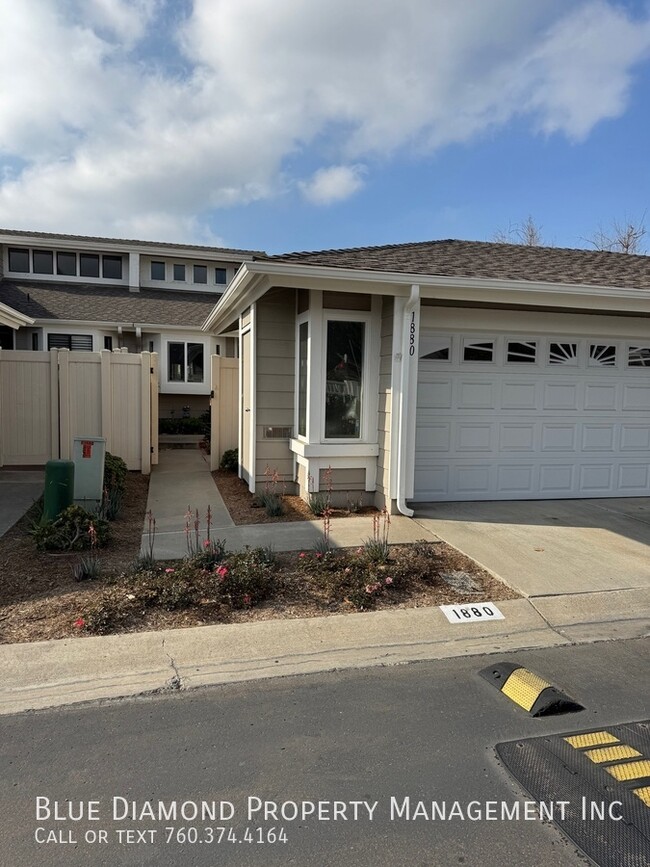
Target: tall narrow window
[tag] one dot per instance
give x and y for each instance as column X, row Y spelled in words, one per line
column 343, row 392
column 176, row 362
column 195, row 362
column 303, row 344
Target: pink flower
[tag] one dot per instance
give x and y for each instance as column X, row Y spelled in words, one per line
column 318, row 555
column 222, row 572
column 389, row 580
column 302, row 554
column 369, row 588
column 79, row 623
column 169, row 570
column 247, row 599
column 206, row 543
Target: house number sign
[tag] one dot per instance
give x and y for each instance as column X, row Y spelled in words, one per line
column 412, row 334
column 472, row 611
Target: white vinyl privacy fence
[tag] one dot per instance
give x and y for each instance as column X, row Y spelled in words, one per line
column 48, row 398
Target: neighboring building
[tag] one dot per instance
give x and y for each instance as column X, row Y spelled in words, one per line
column 84, row 293
column 445, row 370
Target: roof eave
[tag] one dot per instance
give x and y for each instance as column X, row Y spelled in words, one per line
column 13, row 318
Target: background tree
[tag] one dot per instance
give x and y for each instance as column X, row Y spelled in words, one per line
column 527, row 233
column 623, row 237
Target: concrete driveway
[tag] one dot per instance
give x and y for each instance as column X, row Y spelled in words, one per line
column 551, row 547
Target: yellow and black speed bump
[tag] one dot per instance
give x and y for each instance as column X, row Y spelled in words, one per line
column 593, row 784
column 529, row 690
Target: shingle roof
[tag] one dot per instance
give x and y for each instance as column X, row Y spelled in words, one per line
column 90, row 303
column 482, row 259
column 53, row 236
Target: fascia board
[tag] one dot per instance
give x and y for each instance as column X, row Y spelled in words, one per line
column 13, row 318
column 245, row 289
column 101, row 323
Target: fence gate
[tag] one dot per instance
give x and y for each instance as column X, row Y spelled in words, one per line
column 224, row 401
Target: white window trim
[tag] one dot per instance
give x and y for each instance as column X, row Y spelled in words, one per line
column 302, row 319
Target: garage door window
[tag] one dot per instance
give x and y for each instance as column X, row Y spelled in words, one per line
column 525, row 353
column 435, row 348
column 638, row 356
column 602, row 355
column 563, row 353
column 482, row 350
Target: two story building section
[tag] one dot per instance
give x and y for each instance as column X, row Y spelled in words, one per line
column 87, row 293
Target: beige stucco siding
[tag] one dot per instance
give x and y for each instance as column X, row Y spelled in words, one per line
column 275, row 378
column 385, row 398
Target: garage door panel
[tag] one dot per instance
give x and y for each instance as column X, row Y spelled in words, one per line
column 519, row 395
column 517, row 437
column 511, row 431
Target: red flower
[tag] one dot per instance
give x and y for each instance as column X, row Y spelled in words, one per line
column 79, row 623
column 247, row 599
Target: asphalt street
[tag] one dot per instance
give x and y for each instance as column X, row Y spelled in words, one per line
column 365, row 739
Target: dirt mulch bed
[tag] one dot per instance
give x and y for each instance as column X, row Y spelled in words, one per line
column 53, row 614
column 244, row 509
column 31, row 581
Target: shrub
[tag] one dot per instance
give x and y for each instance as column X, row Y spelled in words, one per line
column 230, row 460
column 210, row 555
column 246, row 577
column 115, row 472
column 318, row 503
column 194, row 425
column 71, row 531
column 272, row 502
column 87, row 569
column 111, row 503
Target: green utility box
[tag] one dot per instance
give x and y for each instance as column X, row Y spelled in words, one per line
column 59, row 488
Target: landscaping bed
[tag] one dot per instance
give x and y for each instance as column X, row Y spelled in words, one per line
column 245, row 508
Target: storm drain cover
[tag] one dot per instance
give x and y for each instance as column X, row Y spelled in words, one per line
column 595, row 785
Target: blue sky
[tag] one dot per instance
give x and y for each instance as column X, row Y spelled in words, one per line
column 326, row 123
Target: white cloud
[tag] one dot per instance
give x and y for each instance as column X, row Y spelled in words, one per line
column 333, row 184
column 106, row 141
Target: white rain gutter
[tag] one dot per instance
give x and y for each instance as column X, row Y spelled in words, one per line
column 407, row 391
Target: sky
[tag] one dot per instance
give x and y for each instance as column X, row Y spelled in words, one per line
column 284, row 125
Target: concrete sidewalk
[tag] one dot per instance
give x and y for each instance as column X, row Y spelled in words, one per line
column 18, row 490
column 182, row 478
column 52, row 673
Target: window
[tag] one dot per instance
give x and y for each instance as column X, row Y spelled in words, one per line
column 108, row 342
column 19, row 259
column 303, row 344
column 435, row 348
column 77, row 342
column 482, row 350
column 43, row 261
column 179, row 272
column 35, row 341
column 6, row 337
column 638, row 356
column 200, row 273
column 563, row 353
column 157, row 270
column 344, row 376
column 112, row 267
column 89, row 264
column 185, row 362
column 66, row 264
column 602, row 355
column 220, row 277
column 521, row 352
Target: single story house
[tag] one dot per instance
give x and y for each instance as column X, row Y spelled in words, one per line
column 88, row 294
column 443, row 370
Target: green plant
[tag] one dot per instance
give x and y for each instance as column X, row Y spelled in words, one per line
column 354, row 504
column 377, row 549
column 111, row 503
column 115, row 472
column 230, row 460
column 194, row 425
column 87, row 568
column 245, row 578
column 271, row 502
column 317, row 503
column 212, row 553
column 70, row 531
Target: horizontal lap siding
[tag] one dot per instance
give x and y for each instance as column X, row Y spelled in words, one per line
column 275, row 381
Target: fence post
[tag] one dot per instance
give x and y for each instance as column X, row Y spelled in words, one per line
column 55, row 413
column 153, row 389
column 145, row 413
column 65, row 445
column 215, row 386
column 107, row 397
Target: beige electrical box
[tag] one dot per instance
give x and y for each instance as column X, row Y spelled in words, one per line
column 88, row 455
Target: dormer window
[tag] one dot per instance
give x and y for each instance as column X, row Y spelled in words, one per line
column 19, row 259
column 89, row 264
column 179, row 272
column 66, row 264
column 220, row 277
column 200, row 273
column 112, row 267
column 158, row 271
column 43, row 261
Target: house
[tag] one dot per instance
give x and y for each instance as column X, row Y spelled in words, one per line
column 444, row 370
column 87, row 293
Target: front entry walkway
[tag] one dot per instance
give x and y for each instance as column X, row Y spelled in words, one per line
column 18, row 490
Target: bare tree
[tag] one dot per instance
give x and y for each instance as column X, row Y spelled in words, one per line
column 527, row 233
column 623, row 237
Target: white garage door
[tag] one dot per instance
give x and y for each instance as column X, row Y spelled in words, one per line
column 510, row 417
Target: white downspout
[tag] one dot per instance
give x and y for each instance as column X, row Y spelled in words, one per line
column 407, row 390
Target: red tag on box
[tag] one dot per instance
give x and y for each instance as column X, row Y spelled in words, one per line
column 86, row 448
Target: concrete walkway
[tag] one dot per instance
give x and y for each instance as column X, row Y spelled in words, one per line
column 182, row 478
column 18, row 490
